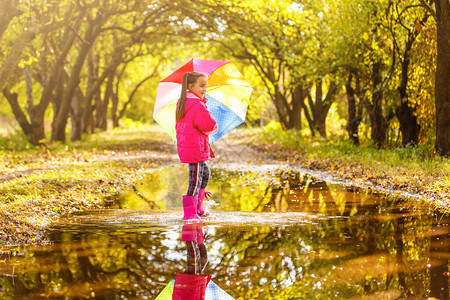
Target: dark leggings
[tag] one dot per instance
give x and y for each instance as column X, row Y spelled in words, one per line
column 198, row 177
column 196, row 258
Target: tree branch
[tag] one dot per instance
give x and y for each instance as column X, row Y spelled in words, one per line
column 428, row 8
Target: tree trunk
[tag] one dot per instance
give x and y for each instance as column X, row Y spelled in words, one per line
column 17, row 111
column 298, row 98
column 375, row 109
column 282, row 111
column 409, row 127
column 408, row 123
column 325, row 108
column 442, row 99
column 61, row 116
column 35, row 113
column 353, row 119
column 316, row 106
column 319, row 109
column 76, row 115
column 33, row 129
column 308, row 115
column 102, row 105
column 114, row 108
column 273, row 83
column 89, row 108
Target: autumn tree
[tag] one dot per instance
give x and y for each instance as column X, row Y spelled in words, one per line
column 114, row 31
column 271, row 39
column 58, row 57
column 283, row 42
column 37, row 21
column 441, row 14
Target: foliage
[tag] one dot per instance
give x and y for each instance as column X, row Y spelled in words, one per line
column 298, row 56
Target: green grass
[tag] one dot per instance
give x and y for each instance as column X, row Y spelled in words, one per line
column 342, row 149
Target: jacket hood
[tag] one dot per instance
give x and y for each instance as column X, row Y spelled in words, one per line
column 191, row 100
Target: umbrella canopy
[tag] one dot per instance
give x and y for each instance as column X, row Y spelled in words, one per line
column 227, row 94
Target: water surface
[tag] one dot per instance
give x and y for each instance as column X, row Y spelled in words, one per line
column 274, row 233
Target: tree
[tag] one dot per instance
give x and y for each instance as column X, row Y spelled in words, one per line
column 442, row 17
column 94, row 25
column 319, row 106
column 273, row 40
column 354, row 109
column 404, row 22
column 42, row 23
column 49, row 55
column 374, row 54
column 286, row 43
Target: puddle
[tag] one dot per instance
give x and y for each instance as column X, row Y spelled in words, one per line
column 274, row 233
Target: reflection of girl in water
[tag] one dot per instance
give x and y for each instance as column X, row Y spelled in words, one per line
column 192, row 283
column 192, row 234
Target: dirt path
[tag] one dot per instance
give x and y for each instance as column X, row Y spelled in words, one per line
column 227, row 150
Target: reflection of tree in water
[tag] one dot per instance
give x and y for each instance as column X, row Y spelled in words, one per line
column 375, row 245
column 104, row 266
column 156, row 190
column 359, row 244
column 439, row 258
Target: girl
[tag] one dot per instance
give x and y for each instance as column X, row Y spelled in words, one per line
column 193, row 125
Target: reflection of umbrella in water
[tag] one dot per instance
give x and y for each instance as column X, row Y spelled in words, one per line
column 227, row 94
column 213, row 291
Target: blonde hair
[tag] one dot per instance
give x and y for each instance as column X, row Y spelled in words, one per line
column 188, row 78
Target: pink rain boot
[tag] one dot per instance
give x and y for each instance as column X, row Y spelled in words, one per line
column 189, row 231
column 190, row 207
column 201, row 211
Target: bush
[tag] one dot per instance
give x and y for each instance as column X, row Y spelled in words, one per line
column 274, row 132
column 16, row 141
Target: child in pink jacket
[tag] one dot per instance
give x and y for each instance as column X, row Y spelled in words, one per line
column 194, row 124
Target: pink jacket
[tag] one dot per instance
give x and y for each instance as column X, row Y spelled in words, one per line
column 190, row 286
column 193, row 130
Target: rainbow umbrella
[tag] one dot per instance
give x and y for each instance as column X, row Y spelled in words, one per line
column 227, row 94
